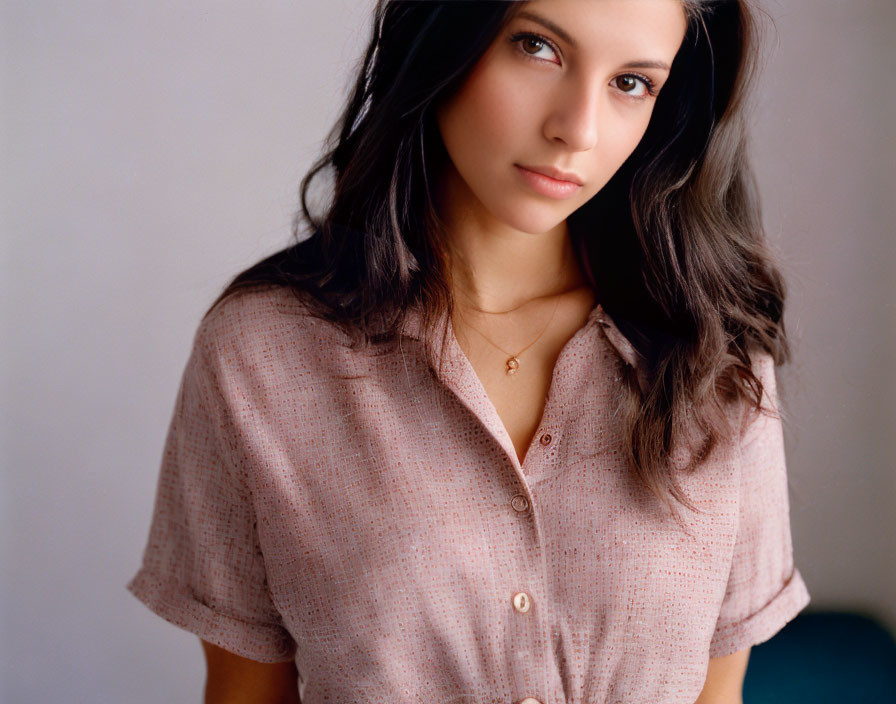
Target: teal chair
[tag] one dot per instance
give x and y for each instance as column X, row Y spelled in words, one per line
column 824, row 658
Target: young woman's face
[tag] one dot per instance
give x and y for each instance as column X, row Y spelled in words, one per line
column 566, row 84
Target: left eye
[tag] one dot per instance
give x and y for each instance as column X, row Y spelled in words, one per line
column 635, row 86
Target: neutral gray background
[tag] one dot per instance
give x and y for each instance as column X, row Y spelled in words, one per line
column 152, row 150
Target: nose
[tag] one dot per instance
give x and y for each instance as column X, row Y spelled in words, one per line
column 575, row 115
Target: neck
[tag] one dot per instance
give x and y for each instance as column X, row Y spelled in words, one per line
column 501, row 269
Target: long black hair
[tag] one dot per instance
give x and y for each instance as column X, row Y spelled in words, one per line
column 673, row 243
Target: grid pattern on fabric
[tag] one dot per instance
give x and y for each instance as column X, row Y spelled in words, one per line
column 368, row 517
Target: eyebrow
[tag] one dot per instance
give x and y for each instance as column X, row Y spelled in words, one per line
column 566, row 37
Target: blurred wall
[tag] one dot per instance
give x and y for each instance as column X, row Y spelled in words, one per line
column 826, row 161
column 152, row 150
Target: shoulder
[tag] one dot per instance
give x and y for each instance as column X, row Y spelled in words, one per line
column 250, row 314
column 262, row 336
column 251, row 330
column 264, row 321
column 754, row 421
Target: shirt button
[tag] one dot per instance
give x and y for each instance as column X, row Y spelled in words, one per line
column 546, row 439
column 521, row 602
column 520, row 503
column 530, row 700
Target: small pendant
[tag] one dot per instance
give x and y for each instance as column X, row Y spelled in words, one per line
column 512, row 365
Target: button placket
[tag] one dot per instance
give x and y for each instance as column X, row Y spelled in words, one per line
column 543, row 451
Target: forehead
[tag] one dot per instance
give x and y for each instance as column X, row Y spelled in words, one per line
column 606, row 26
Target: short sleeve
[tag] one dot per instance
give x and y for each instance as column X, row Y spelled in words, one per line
column 202, row 567
column 764, row 589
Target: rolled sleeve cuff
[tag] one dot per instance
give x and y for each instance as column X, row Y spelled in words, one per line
column 758, row 628
column 174, row 603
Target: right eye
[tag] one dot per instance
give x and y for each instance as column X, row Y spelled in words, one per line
column 529, row 40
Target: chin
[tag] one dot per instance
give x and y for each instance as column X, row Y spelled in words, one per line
column 535, row 221
column 534, row 229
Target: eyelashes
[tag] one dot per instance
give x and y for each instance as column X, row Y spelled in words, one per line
column 519, row 37
column 649, row 86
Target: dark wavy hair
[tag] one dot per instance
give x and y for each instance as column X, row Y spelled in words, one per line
column 687, row 275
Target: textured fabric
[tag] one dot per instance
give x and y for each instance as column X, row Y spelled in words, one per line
column 368, row 516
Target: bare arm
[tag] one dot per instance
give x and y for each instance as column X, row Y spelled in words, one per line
column 233, row 679
column 237, row 680
column 725, row 679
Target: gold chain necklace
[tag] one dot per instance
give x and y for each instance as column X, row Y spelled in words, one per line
column 513, row 361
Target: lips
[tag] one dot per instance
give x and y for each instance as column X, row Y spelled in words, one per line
column 547, row 185
column 554, row 173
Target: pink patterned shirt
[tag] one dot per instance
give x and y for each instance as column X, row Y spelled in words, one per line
column 368, row 517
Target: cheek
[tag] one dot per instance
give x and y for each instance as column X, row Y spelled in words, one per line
column 621, row 141
column 618, row 138
column 485, row 114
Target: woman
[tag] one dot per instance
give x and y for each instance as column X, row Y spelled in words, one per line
column 502, row 428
